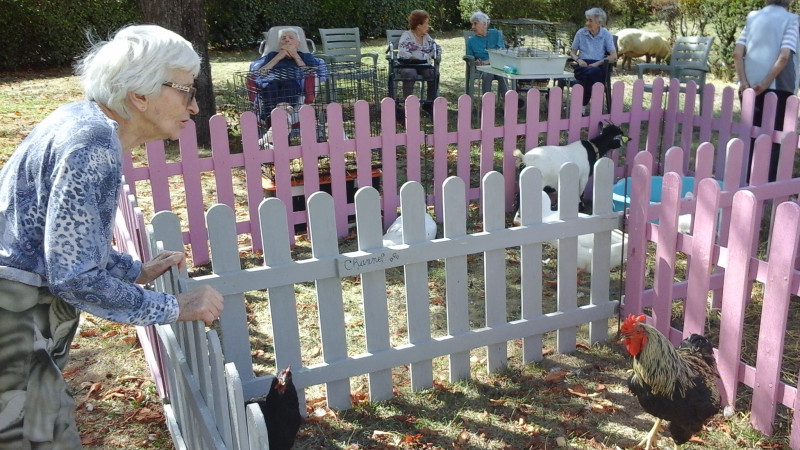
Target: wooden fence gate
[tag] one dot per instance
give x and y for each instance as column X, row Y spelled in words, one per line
column 207, row 402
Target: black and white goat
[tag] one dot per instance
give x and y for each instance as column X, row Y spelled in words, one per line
column 584, row 153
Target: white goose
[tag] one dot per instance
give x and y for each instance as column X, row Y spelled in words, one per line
column 585, row 241
column 394, row 235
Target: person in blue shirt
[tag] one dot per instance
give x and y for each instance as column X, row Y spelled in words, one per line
column 58, row 202
column 485, row 39
column 285, row 74
column 592, row 46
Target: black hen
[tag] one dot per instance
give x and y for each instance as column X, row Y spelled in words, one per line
column 281, row 409
column 677, row 385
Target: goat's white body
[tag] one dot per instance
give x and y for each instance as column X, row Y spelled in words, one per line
column 549, row 159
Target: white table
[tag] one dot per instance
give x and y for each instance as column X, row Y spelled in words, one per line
column 513, row 77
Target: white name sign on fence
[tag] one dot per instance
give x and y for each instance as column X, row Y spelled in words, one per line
column 360, row 262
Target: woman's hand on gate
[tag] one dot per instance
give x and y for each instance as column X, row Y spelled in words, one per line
column 159, row 264
column 203, row 303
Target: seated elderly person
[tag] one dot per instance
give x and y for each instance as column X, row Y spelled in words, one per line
column 593, row 44
column 485, row 39
column 283, row 75
column 416, row 46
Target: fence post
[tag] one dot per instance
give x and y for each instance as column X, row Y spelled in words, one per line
column 774, row 316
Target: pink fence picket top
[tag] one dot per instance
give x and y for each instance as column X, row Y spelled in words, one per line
column 467, row 150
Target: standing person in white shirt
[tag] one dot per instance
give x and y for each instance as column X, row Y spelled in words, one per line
column 766, row 61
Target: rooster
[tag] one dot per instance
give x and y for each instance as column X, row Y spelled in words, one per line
column 676, row 385
column 281, row 409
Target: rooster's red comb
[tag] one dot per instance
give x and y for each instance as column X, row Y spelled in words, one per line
column 630, row 323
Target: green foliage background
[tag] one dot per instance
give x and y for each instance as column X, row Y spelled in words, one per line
column 51, row 33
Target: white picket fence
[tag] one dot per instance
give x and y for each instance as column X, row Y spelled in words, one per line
column 209, row 378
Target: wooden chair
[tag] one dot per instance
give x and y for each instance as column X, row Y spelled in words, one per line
column 688, row 62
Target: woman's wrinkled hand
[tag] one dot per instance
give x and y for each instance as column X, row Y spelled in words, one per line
column 204, row 303
column 161, row 263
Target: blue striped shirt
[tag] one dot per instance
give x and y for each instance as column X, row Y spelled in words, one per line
column 58, row 201
column 591, row 47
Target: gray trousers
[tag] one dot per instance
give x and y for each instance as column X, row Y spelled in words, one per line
column 486, row 84
column 36, row 406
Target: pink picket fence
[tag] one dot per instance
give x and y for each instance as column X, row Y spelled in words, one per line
column 464, row 150
column 658, row 132
column 727, row 263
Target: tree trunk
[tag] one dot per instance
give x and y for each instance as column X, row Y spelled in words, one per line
column 188, row 18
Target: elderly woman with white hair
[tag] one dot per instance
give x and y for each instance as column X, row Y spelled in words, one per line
column 592, row 46
column 478, row 46
column 282, row 74
column 58, row 202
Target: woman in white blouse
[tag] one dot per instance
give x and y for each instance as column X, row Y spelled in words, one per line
column 416, row 46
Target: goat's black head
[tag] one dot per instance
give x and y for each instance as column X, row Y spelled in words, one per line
column 610, row 138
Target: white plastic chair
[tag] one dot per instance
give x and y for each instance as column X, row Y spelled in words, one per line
column 272, row 41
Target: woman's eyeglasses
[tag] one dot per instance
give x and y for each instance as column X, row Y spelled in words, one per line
column 190, row 91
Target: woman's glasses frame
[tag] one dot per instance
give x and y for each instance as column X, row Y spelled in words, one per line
column 190, row 91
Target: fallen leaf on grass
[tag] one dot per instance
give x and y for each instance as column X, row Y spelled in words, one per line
column 603, row 406
column 91, row 440
column 405, row 418
column 409, row 439
column 441, row 385
column 578, row 390
column 556, row 376
column 462, row 439
column 556, row 390
column 95, row 389
column 147, row 415
column 91, row 332
column 126, row 378
column 498, row 402
column 383, row 435
column 762, row 444
column 359, row 398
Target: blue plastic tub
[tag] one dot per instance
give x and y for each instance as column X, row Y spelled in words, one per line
column 622, row 191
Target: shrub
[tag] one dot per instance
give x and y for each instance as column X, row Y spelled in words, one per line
column 728, row 19
column 633, row 13
column 48, row 33
column 235, row 23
